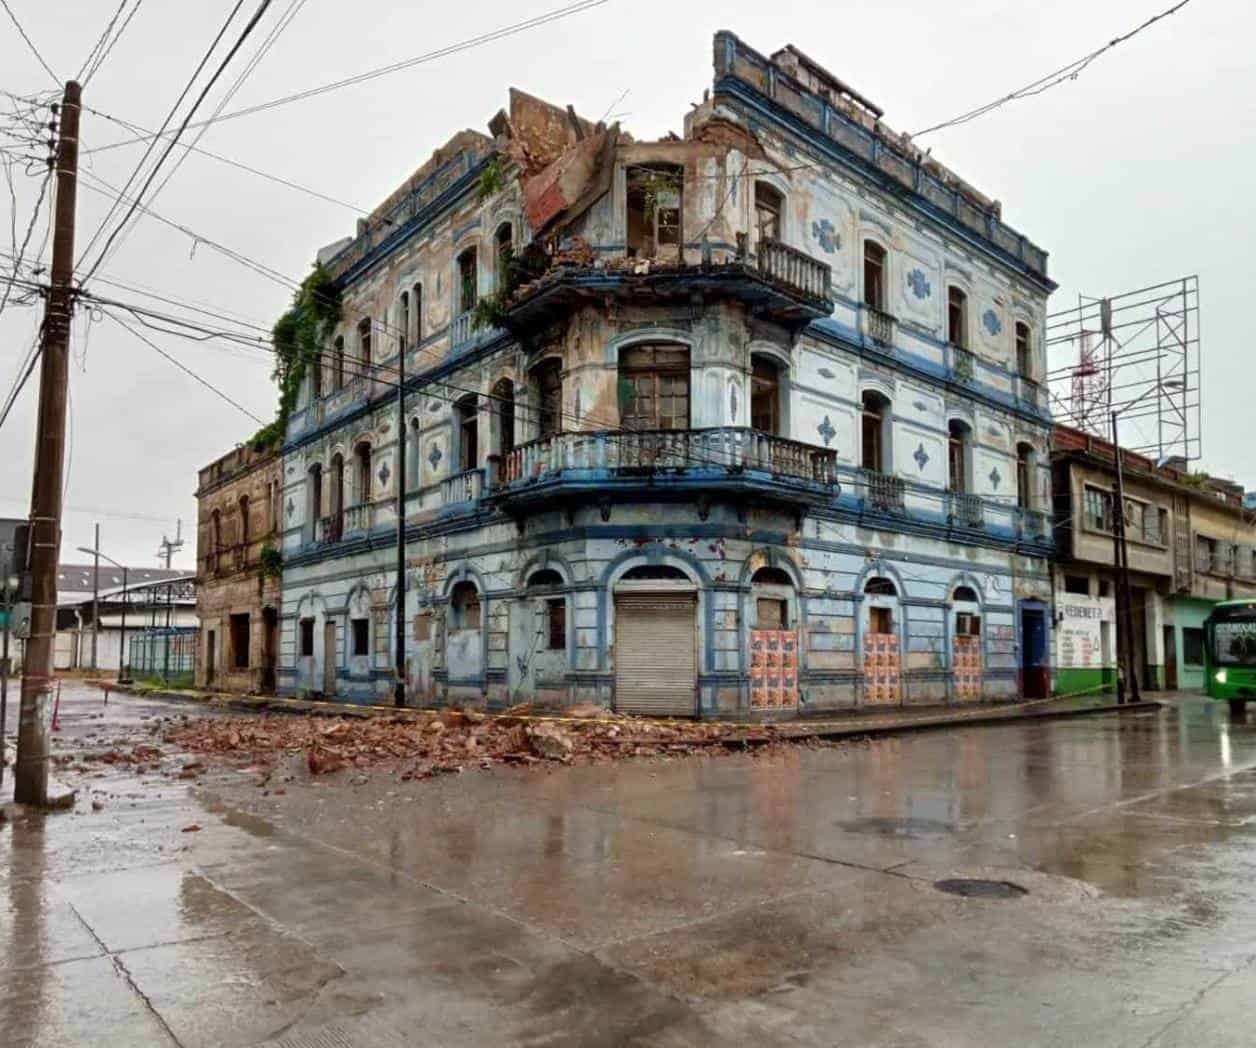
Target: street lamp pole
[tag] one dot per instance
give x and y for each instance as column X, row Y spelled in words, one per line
column 122, row 676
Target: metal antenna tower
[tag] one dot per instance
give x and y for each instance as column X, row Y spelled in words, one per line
column 169, row 547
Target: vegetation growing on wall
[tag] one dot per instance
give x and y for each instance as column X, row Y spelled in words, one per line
column 492, row 178
column 272, row 562
column 517, row 270
column 298, row 338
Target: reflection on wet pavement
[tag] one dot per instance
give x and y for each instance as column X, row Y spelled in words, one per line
column 786, row 899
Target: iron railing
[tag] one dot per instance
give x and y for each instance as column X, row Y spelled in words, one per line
column 460, row 330
column 963, row 363
column 967, row 510
column 783, row 264
column 722, row 448
column 880, row 326
column 352, row 519
column 883, row 490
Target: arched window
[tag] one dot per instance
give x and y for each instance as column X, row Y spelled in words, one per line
column 503, row 244
column 957, row 317
column 314, row 504
column 548, row 382
column 769, row 207
column 654, row 387
column 765, row 395
column 363, row 364
column 1025, row 476
column 655, row 573
column 414, row 465
column 772, row 588
column 468, row 432
column 554, row 625
column 880, row 618
column 874, row 428
column 880, row 587
column 1024, row 351
column 416, row 307
column 468, row 281
column 874, row 275
column 362, row 463
column 337, row 507
column 403, row 320
column 338, row 362
column 964, row 595
column 244, row 520
column 958, row 444
column 464, row 607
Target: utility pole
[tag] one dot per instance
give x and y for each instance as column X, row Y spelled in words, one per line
column 31, row 772
column 167, row 549
column 95, row 596
column 1124, row 602
column 399, row 612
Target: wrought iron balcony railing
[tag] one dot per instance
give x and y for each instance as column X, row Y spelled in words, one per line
column 797, row 270
column 883, row 490
column 730, row 448
column 967, row 510
column 963, row 363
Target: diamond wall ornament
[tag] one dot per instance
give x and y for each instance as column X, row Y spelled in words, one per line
column 826, row 431
column 434, row 456
column 383, row 475
column 733, row 405
column 826, row 373
column 921, row 456
column 920, row 405
column 291, row 508
column 919, row 284
column 996, row 478
column 991, row 322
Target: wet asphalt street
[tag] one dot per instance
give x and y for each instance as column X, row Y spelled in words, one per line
column 747, row 900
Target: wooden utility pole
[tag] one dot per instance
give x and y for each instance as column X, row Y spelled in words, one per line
column 31, row 772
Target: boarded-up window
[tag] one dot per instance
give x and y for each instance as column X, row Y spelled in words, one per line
column 772, row 614
column 423, row 627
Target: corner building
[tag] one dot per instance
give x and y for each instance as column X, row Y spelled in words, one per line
column 741, row 422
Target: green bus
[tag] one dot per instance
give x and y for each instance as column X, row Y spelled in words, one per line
column 1230, row 653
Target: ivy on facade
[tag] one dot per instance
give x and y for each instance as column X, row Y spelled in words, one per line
column 298, row 338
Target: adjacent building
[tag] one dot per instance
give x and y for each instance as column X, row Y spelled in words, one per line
column 746, row 420
column 238, row 566
column 1191, row 544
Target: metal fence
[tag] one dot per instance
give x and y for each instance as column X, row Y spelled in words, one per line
column 163, row 655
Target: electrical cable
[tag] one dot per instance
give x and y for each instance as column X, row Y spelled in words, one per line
column 112, row 43
column 100, row 41
column 1069, row 72
column 476, row 41
column 30, row 43
column 30, row 229
column 187, row 88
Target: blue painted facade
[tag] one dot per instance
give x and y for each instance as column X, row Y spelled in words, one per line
column 533, row 499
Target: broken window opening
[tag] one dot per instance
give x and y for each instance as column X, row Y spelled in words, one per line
column 874, row 419
column 556, row 615
column 416, row 306
column 361, row 630
column 957, row 455
column 362, row 458
column 464, row 604
column 1024, row 351
column 504, row 406
column 1024, row 476
column 957, row 317
column 337, row 507
column 364, row 347
column 654, row 206
column 468, row 432
column 468, row 290
column 503, row 241
column 654, row 387
column 967, row 624
column 548, row 379
column 880, row 620
column 307, row 638
column 769, row 207
column 765, row 396
column 240, row 641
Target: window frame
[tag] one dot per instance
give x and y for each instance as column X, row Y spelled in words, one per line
column 770, row 202
column 1024, row 351
column 658, row 375
column 467, row 269
column 305, row 638
column 875, row 300
column 957, row 305
column 240, row 624
column 360, row 637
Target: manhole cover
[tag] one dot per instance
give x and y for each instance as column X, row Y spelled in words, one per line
column 978, row 889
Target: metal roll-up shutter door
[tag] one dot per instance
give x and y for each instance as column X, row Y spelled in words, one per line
column 656, row 664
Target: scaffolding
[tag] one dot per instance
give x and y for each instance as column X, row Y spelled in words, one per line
column 1136, row 356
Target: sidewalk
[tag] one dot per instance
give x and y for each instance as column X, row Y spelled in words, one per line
column 852, row 724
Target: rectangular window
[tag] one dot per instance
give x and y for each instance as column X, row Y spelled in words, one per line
column 423, row 627
column 967, row 624
column 361, row 636
column 654, row 209
column 1135, row 518
column 1098, row 509
column 557, row 613
column 654, row 383
column 1078, row 584
column 1154, row 525
column 468, row 281
column 307, row 637
column 874, row 275
column 1192, row 646
column 240, row 641
column 880, row 620
column 872, row 458
column 1205, row 554
column 957, row 317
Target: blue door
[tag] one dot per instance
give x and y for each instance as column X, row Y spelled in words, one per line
column 1033, row 669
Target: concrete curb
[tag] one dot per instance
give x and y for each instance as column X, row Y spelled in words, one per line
column 750, row 734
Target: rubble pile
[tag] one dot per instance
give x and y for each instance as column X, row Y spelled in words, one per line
column 450, row 740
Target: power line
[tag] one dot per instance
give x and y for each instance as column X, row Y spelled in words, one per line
column 1069, row 72
column 184, row 368
column 26, row 239
column 112, row 43
column 100, row 41
column 30, row 43
column 430, row 56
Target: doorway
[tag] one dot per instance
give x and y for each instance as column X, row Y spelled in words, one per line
column 329, row 657
column 211, row 656
column 1170, row 658
column 1033, row 668
column 270, row 639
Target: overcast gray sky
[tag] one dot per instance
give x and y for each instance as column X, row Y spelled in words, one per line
column 1140, row 171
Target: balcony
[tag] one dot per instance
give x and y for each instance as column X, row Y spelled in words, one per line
column 879, row 326
column 963, row 363
column 1030, row 393
column 966, row 510
column 1033, row 524
column 794, row 270
column 779, row 283
column 354, row 519
column 666, row 462
column 460, row 330
column 462, row 487
column 882, row 490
